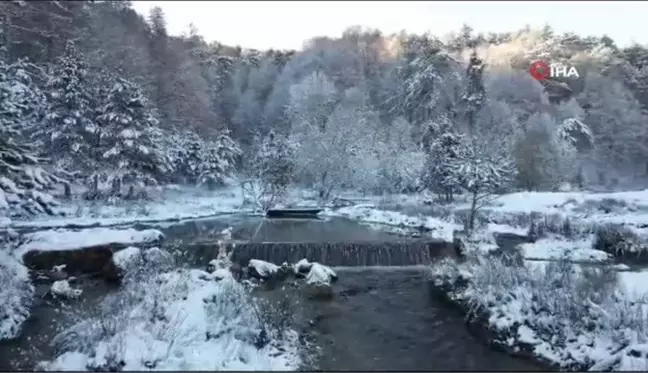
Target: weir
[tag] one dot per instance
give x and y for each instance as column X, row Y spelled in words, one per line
column 346, row 254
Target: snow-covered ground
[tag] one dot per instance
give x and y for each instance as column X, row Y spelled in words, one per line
column 176, row 320
column 590, row 316
column 177, row 203
column 581, row 208
column 438, row 228
column 557, row 248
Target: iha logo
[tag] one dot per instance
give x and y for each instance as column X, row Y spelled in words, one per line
column 540, row 70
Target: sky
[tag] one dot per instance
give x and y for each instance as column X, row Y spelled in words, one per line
column 288, row 24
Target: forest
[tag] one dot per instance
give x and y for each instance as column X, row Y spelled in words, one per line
column 95, row 95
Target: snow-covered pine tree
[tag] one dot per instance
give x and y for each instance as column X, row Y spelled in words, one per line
column 23, row 183
column 126, row 140
column 275, row 159
column 217, row 161
column 68, row 131
column 439, row 166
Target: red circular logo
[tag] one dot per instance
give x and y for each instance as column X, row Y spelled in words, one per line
column 539, row 70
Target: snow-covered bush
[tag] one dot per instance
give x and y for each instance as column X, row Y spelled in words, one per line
column 16, row 292
column 569, row 316
column 620, row 241
column 180, row 320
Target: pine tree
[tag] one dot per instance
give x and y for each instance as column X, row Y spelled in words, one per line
column 474, row 96
column 439, row 168
column 218, row 161
column 68, row 131
column 273, row 166
column 126, row 142
column 23, row 183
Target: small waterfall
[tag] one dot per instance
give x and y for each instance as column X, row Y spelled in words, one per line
column 347, row 254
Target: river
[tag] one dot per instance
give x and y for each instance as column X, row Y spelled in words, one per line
column 381, row 318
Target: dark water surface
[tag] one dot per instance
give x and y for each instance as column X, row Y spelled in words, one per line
column 48, row 317
column 258, row 229
column 385, row 319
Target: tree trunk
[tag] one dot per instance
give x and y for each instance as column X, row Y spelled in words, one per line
column 473, row 213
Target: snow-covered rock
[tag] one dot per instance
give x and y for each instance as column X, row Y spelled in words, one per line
column 262, row 270
column 302, row 267
column 320, row 275
column 318, row 281
column 127, row 257
column 63, row 239
column 63, row 289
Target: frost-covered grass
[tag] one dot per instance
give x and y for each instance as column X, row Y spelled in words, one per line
column 570, row 316
column 183, row 319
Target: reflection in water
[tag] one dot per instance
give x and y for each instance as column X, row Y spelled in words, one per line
column 258, row 229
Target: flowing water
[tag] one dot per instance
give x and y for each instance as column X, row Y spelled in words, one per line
column 385, row 319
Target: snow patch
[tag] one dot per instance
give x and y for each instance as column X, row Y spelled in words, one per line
column 555, row 248
column 368, row 213
column 167, row 204
column 62, row 239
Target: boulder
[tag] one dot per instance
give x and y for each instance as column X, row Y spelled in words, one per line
column 95, row 260
column 266, row 271
column 62, row 289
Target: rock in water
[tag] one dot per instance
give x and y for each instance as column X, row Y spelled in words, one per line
column 63, row 289
column 318, row 281
column 262, row 270
column 320, row 274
